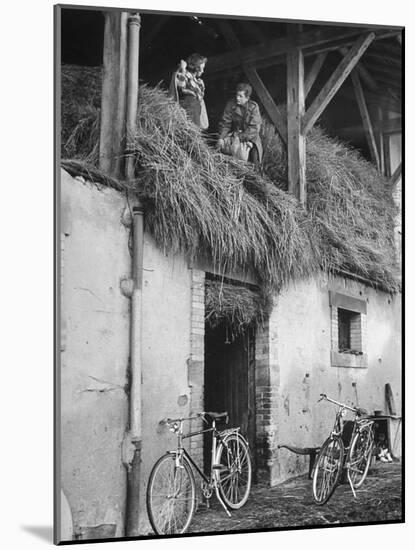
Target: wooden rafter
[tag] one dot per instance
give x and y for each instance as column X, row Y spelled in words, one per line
column 257, row 83
column 367, row 123
column 313, row 72
column 270, row 49
column 336, row 80
column 363, row 73
column 271, row 52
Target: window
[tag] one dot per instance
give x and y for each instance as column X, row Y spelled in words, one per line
column 348, row 327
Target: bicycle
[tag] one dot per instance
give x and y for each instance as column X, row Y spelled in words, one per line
column 171, row 489
column 335, row 456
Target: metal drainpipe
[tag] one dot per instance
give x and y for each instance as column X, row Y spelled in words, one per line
column 134, row 437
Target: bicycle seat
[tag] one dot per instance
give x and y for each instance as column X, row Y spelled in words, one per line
column 217, row 416
column 362, row 412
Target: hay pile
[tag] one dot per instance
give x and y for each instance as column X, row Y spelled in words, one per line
column 201, row 203
column 236, row 305
column 80, row 106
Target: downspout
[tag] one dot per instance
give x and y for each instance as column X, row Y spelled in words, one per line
column 132, row 458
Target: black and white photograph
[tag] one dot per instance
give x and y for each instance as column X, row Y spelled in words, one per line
column 228, row 252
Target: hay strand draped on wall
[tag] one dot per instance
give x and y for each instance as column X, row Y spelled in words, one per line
column 202, row 203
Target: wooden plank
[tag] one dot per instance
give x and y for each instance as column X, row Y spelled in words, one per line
column 336, row 80
column 313, row 72
column 367, row 123
column 278, row 46
column 296, row 145
column 390, row 400
column 270, row 52
column 397, row 174
column 263, row 95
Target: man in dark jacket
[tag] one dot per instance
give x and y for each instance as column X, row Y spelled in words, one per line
column 241, row 120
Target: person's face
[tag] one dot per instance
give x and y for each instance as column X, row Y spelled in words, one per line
column 241, row 98
column 200, row 69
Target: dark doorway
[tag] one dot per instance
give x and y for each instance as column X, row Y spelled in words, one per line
column 230, row 380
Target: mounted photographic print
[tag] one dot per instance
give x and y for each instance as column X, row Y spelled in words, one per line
column 228, row 198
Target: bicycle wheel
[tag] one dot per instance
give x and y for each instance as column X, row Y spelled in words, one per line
column 171, row 496
column 234, row 470
column 327, row 470
column 360, row 456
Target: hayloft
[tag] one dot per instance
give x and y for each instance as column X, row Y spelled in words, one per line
column 213, row 284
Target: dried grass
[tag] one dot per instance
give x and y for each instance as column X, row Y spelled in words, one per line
column 204, row 204
column 236, row 305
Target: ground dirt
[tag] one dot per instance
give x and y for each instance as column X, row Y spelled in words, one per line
column 290, row 504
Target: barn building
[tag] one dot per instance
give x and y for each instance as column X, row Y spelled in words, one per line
column 167, row 311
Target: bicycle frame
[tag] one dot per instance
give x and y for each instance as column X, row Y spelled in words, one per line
column 217, row 436
column 358, row 425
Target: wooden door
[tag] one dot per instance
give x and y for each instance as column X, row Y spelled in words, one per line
column 230, row 379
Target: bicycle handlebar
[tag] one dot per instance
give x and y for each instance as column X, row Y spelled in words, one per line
column 213, row 415
column 357, row 410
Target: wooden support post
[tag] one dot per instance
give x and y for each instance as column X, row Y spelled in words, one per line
column 296, row 145
column 367, row 124
column 113, row 101
column 313, row 73
column 336, row 80
column 263, row 95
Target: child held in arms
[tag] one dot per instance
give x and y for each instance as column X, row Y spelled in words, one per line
column 188, row 88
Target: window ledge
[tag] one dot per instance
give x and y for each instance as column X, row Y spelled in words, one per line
column 348, row 360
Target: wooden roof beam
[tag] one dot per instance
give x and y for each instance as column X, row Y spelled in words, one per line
column 336, row 80
column 277, row 47
column 363, row 73
column 257, row 84
column 367, row 123
column 313, row 72
column 272, row 52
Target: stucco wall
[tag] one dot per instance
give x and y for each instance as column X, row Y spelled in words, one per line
column 95, row 350
column 165, row 354
column 303, row 345
column 95, row 343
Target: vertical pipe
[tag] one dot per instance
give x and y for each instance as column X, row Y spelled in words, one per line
column 134, row 23
column 133, row 472
column 133, row 475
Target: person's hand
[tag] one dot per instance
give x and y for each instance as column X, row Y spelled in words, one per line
column 182, row 65
column 220, row 143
